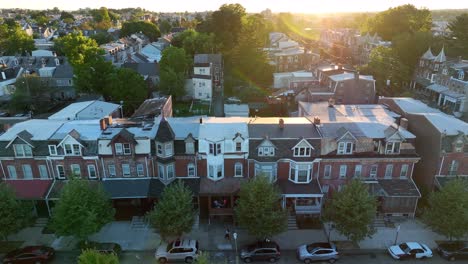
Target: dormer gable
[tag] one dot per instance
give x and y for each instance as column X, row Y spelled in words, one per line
column 302, row 149
column 238, row 137
column 124, row 136
column 71, row 146
column 23, row 137
column 266, row 148
column 165, row 132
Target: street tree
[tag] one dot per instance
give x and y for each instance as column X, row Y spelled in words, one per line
column 447, row 213
column 31, row 94
column 259, row 209
column 459, row 35
column 226, row 24
column 91, row 256
column 14, row 214
column 83, row 209
column 165, row 26
column 14, row 40
column 147, row 28
column 352, row 210
column 77, row 48
column 173, row 215
column 174, row 66
column 101, row 18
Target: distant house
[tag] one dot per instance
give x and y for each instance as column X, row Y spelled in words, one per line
column 89, row 110
column 149, row 70
column 208, row 80
column 154, row 107
column 152, row 51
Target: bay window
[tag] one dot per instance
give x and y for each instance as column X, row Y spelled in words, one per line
column 267, row 170
column 300, row 173
column 392, row 147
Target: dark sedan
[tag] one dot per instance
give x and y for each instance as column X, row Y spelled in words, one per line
column 453, row 250
column 31, row 254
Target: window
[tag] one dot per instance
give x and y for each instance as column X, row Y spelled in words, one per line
column 266, row 151
column 340, row 187
column 215, row 172
column 238, row 146
column 266, row 170
column 126, row 170
column 388, row 171
column 215, row 148
column 453, row 168
column 52, row 150
column 300, row 173
column 126, row 149
column 60, row 172
column 343, row 169
column 327, row 172
column 43, row 173
column 191, row 170
column 404, row 171
column 392, row 148
column 76, row 170
column 27, row 172
column 161, row 171
column 358, row 171
column 189, row 148
column 459, row 146
column 373, row 171
column 168, row 149
column 170, row 172
column 302, row 152
column 238, row 169
column 72, row 149
column 22, row 150
column 12, row 171
column 159, row 149
column 92, row 171
column 140, row 170
column 461, row 75
column 345, row 147
column 111, row 169
column 118, row 148
column 325, row 188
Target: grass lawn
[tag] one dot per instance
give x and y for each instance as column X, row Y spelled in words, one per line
column 7, row 246
column 183, row 109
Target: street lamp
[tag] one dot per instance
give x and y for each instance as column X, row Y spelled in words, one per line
column 121, row 109
column 396, row 236
column 234, row 235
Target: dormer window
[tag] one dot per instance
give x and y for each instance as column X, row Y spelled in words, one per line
column 22, row 150
column 72, row 149
column 445, row 71
column 189, row 148
column 238, row 146
column 215, row 148
column 392, row 147
column 461, row 75
column 123, row 149
column 164, row 150
column 266, row 151
column 303, row 149
column 436, row 67
column 459, row 146
column 52, row 150
column 345, row 148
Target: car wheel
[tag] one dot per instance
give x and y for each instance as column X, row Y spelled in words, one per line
column 332, row 260
column 452, row 258
column 188, row 260
column 247, row 260
column 272, row 260
column 307, row 261
column 162, row 260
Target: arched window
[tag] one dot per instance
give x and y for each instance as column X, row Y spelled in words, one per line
column 238, row 169
column 191, row 170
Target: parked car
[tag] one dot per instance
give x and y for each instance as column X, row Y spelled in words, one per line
column 262, row 250
column 107, row 248
column 317, row 252
column 31, row 254
column 186, row 250
column 410, row 250
column 453, row 250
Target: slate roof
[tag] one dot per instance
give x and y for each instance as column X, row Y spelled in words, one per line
column 127, row 188
column 30, row 189
column 63, row 71
column 165, row 132
column 57, row 186
column 143, row 68
column 394, row 188
column 207, row 58
column 288, row 187
column 441, row 181
column 294, row 127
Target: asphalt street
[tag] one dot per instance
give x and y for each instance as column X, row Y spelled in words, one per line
column 226, row 257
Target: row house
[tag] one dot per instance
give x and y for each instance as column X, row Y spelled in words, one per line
column 441, row 140
column 363, row 142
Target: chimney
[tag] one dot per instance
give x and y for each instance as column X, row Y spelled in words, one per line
column 281, row 123
column 108, row 120
column 331, row 102
column 316, row 120
column 102, row 124
column 201, row 120
column 404, row 123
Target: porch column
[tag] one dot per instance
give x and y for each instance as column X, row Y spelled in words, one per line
column 283, row 201
column 209, row 209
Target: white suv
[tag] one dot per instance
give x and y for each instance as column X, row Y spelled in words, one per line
column 178, row 250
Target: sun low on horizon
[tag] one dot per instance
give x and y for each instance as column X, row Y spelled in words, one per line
column 295, row 6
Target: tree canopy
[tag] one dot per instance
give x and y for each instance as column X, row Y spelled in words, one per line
column 31, row 94
column 448, row 209
column 174, row 215
column 459, row 36
column 194, row 42
column 174, row 66
column 83, row 209
column 101, row 18
column 90, row 256
column 259, row 210
column 78, row 48
column 14, row 214
column 147, row 28
column 14, row 40
column 352, row 210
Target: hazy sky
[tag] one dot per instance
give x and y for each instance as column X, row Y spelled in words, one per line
column 302, row 6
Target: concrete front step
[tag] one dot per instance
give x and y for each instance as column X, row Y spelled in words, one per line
column 41, row 222
column 292, row 222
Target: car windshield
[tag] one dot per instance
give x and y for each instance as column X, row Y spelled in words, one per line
column 251, row 248
column 404, row 247
column 169, row 247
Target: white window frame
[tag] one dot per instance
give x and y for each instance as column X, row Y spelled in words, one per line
column 238, row 166
column 307, row 151
column 191, row 169
column 43, row 172
column 268, row 170
column 343, row 171
column 327, row 172
column 453, row 168
column 391, row 147
column 266, row 151
column 127, row 149
column 238, row 146
column 140, row 170
column 53, row 150
column 118, row 148
column 459, row 146
column 345, row 147
column 161, row 171
column 111, row 169
column 170, row 172
column 76, row 166
column 22, row 150
column 27, row 172
column 126, row 168
column 296, row 169
column 189, row 148
column 216, row 172
column 12, row 172
column 325, row 188
column 373, row 171
column 404, row 171
column 214, row 149
column 91, row 168
column 71, row 151
column 168, row 149
column 60, row 170
column 358, row 171
column 388, row 171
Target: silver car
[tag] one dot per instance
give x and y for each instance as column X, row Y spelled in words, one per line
column 317, row 252
column 185, row 250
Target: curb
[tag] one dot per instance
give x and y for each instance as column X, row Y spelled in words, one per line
column 362, row 251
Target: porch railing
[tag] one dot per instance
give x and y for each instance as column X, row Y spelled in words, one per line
column 307, row 209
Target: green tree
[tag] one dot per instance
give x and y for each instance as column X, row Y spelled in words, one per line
column 91, row 256
column 165, row 26
column 401, row 19
column 66, row 15
column 148, row 29
column 174, row 66
column 83, row 209
column 14, row 40
column 448, row 209
column 194, row 42
column 101, row 18
column 128, row 86
column 31, row 93
column 102, row 38
column 459, row 36
column 259, row 209
column 14, row 214
column 173, row 215
column 226, row 24
column 352, row 210
column 40, row 17
column 78, row 48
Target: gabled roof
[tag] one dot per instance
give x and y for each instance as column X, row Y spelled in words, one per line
column 441, row 56
column 125, row 134
column 34, row 127
column 165, row 132
column 428, row 54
